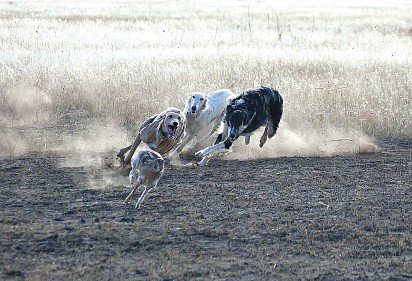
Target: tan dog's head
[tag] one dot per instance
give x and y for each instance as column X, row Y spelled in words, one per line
column 172, row 123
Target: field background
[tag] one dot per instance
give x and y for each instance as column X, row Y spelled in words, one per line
column 77, row 78
column 343, row 69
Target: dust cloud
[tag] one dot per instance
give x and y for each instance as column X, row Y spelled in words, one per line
column 95, row 149
column 11, row 143
column 309, row 142
column 22, row 107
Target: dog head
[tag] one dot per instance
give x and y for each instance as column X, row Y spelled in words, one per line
column 195, row 103
column 171, row 124
column 236, row 121
column 236, row 118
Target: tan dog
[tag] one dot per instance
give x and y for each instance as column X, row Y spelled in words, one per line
column 149, row 165
column 161, row 132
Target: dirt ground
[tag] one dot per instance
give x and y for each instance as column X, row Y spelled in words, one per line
column 289, row 218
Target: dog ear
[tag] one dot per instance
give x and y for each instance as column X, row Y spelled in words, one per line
column 230, row 107
column 187, row 105
column 239, row 102
column 159, row 121
column 181, row 128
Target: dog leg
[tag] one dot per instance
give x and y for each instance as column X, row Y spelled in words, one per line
column 219, row 138
column 247, row 140
column 132, row 193
column 184, row 142
column 132, row 176
column 209, row 150
column 271, row 130
column 264, row 137
column 275, row 114
column 141, row 198
column 196, row 140
column 217, row 148
column 203, row 134
column 216, row 126
column 204, row 161
column 122, row 152
column 145, row 192
column 223, row 135
column 135, row 144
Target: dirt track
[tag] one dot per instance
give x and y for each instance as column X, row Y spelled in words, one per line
column 335, row 218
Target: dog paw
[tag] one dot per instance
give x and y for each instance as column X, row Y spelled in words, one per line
column 200, row 154
column 201, row 164
column 191, row 165
column 271, row 132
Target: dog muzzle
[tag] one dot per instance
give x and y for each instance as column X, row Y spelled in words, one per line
column 171, row 131
column 191, row 112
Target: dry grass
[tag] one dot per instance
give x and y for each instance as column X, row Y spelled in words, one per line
column 340, row 66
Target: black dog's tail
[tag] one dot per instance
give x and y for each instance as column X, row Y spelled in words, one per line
column 275, row 108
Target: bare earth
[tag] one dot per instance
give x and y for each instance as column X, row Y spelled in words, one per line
column 337, row 218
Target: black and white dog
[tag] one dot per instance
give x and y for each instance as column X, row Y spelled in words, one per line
column 244, row 115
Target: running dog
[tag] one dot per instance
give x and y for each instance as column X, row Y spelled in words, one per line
column 149, row 165
column 161, row 133
column 200, row 111
column 244, row 115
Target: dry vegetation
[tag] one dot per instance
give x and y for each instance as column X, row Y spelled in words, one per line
column 340, row 67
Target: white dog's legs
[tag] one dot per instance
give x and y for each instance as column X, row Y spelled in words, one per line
column 211, row 149
column 195, row 142
column 216, row 126
column 204, row 161
column 206, row 153
column 189, row 137
column 184, row 142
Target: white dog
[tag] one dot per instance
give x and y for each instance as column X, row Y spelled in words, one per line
column 200, row 111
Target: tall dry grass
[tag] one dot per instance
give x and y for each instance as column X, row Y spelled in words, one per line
column 340, row 67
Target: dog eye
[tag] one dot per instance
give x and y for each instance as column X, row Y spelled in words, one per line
column 178, row 118
column 194, row 97
column 201, row 98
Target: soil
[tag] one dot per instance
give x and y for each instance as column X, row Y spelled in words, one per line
column 331, row 218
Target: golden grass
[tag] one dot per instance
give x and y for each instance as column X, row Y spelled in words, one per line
column 345, row 65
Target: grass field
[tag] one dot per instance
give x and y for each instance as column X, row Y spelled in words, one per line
column 77, row 78
column 340, row 67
